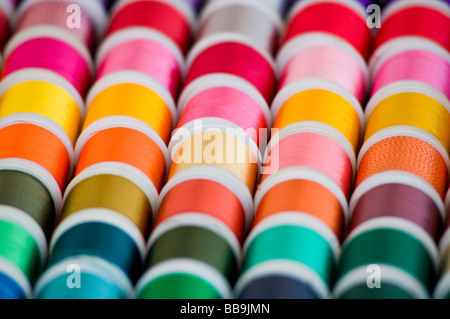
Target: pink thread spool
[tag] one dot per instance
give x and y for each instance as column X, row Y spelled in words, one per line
column 54, row 14
column 144, row 51
column 175, row 19
column 312, row 56
column 411, row 62
column 314, row 147
column 228, row 103
column 29, row 50
column 230, row 56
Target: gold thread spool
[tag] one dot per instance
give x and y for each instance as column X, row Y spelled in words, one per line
column 111, row 192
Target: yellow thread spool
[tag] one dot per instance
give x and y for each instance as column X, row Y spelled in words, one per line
column 322, row 106
column 133, row 100
column 46, row 99
column 413, row 109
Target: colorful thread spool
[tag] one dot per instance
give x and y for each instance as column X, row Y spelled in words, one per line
column 407, row 260
column 230, row 55
column 306, row 192
column 416, row 19
column 230, row 103
column 414, row 152
column 144, row 51
column 174, row 19
column 111, row 98
column 251, row 20
column 209, row 191
column 422, row 111
column 22, row 254
column 326, row 17
column 312, row 147
column 28, row 50
column 54, row 14
column 393, row 65
column 99, row 280
column 312, row 56
column 194, row 273
column 323, row 106
column 53, row 98
column 196, row 144
column 274, row 244
column 36, row 144
column 124, row 144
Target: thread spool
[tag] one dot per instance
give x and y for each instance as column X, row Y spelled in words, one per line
column 22, row 253
column 141, row 149
column 54, row 14
column 320, row 105
column 116, row 97
column 407, row 258
column 194, row 278
column 253, row 21
column 321, row 151
column 91, row 233
column 277, row 239
column 312, row 56
column 174, row 18
column 216, row 142
column 399, row 201
column 38, row 202
column 326, row 17
column 418, row 62
column 194, row 243
column 29, row 49
column 230, row 104
column 209, row 191
column 411, row 151
column 113, row 189
column 144, row 51
column 38, row 145
column 100, row 280
column 320, row 198
column 53, row 98
column 423, row 112
column 416, row 19
column 276, row 286
column 230, row 55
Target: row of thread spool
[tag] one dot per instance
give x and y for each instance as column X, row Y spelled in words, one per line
column 206, row 207
column 301, row 204
column 41, row 108
column 121, row 154
column 397, row 211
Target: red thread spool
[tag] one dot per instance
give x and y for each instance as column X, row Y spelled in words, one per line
column 344, row 19
column 205, row 197
column 38, row 145
column 168, row 18
column 227, row 103
column 424, row 19
column 121, row 144
column 399, row 201
column 313, row 148
column 236, row 58
column 30, row 51
column 419, row 153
